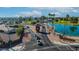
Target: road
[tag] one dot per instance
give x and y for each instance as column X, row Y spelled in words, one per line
column 55, row 48
column 47, row 45
column 44, row 37
column 51, row 46
column 33, row 44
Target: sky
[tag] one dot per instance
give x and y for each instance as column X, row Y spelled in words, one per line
column 38, row 11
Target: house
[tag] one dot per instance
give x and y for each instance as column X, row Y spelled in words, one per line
column 6, row 37
column 6, row 29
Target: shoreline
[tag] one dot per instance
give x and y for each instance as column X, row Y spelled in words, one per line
column 54, row 38
column 67, row 36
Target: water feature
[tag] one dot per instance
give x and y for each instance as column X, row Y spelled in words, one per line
column 68, row 30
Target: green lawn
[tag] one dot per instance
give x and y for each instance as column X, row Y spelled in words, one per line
column 65, row 23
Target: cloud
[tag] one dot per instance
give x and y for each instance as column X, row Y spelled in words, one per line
column 66, row 9
column 33, row 13
column 74, row 10
column 59, row 11
column 63, row 9
column 57, row 14
column 9, row 16
column 42, row 8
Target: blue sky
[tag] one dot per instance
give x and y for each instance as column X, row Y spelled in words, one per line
column 38, row 11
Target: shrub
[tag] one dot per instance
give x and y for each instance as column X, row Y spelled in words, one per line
column 19, row 30
column 73, row 29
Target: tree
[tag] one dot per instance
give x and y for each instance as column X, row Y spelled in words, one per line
column 42, row 18
column 67, row 16
column 74, row 20
column 19, row 29
column 20, row 19
column 73, row 29
column 52, row 16
column 30, row 18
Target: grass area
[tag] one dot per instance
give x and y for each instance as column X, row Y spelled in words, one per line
column 31, row 22
column 65, row 22
column 20, row 27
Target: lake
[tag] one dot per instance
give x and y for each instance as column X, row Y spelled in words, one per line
column 65, row 29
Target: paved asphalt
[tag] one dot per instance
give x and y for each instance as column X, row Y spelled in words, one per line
column 45, row 37
column 47, row 45
column 55, row 48
column 34, row 42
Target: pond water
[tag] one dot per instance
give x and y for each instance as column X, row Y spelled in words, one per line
column 66, row 29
